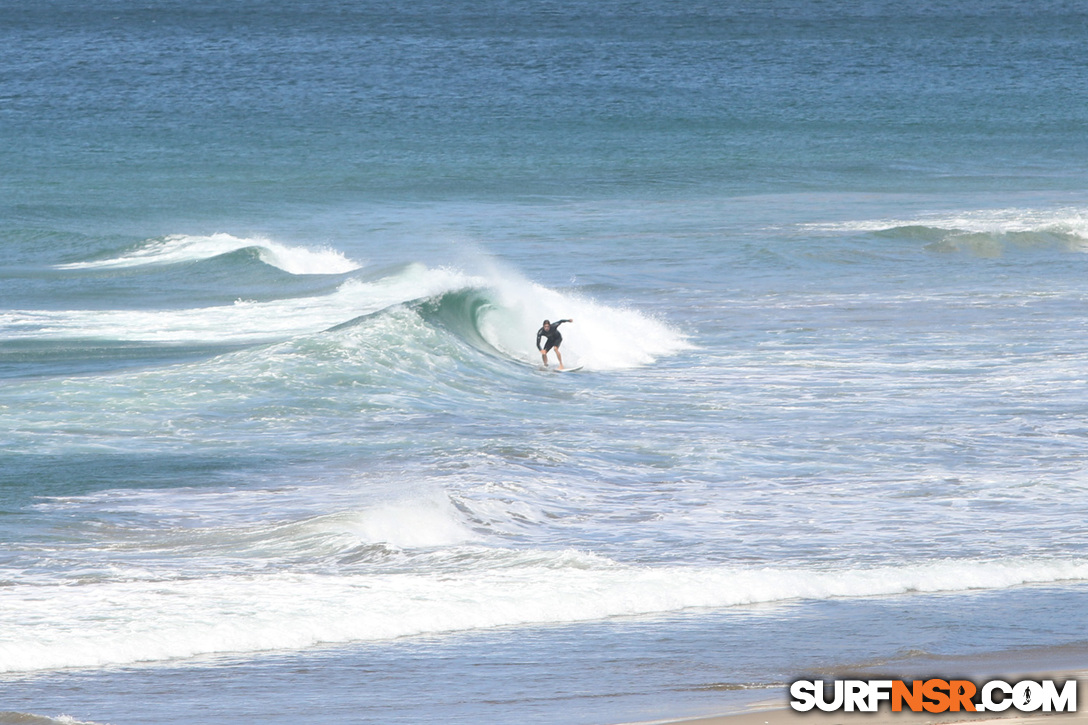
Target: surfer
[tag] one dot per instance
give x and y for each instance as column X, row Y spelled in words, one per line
column 552, row 338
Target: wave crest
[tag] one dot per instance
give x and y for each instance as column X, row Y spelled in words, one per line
column 987, row 233
column 181, row 248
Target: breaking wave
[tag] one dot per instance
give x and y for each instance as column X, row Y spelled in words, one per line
column 497, row 313
column 119, row 622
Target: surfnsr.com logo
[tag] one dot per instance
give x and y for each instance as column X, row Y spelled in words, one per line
column 934, row 695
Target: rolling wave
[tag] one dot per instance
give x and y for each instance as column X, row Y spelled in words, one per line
column 497, row 315
column 242, row 322
column 181, row 248
column 988, row 233
column 26, row 718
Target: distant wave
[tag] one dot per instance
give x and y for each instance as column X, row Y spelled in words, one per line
column 26, row 718
column 187, row 617
column 985, row 233
column 180, row 248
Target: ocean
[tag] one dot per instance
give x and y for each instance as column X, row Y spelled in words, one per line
column 276, row 444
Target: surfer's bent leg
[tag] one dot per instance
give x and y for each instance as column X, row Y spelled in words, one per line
column 558, row 356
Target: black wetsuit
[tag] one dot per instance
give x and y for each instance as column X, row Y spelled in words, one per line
column 552, row 337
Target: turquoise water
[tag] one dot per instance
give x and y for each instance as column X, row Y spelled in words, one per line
column 275, row 444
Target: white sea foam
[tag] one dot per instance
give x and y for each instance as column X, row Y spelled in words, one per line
column 118, row 622
column 180, row 248
column 1068, row 221
column 239, row 519
column 600, row 338
column 414, row 524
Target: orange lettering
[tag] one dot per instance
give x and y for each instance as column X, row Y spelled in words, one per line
column 935, row 690
column 913, row 696
column 961, row 692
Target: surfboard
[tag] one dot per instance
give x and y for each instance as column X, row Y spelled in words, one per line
column 553, row 369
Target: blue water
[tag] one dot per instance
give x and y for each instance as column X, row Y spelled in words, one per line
column 275, row 441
